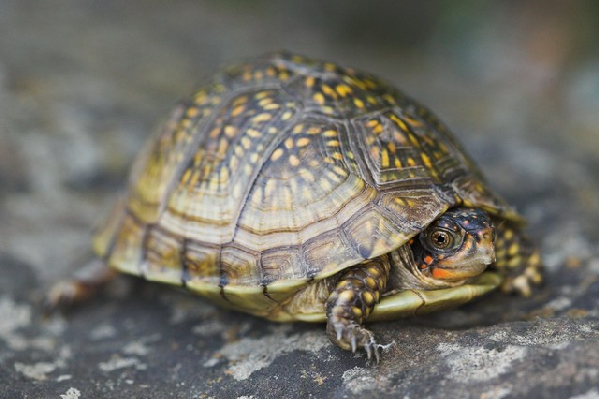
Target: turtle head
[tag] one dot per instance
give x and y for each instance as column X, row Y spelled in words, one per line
column 457, row 246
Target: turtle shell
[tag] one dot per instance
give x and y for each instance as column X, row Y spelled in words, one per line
column 285, row 170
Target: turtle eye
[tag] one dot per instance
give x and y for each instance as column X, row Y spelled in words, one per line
column 441, row 239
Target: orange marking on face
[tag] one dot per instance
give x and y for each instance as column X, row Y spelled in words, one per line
column 428, row 259
column 442, row 274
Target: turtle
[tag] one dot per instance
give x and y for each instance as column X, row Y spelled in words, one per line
column 298, row 189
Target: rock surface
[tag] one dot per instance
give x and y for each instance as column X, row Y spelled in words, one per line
column 81, row 85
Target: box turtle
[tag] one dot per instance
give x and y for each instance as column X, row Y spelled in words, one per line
column 295, row 189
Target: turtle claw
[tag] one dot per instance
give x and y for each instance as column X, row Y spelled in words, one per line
column 353, row 336
column 354, row 344
column 339, row 329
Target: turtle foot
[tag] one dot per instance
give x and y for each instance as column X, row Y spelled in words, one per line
column 353, row 336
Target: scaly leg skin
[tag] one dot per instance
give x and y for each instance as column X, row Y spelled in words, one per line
column 86, row 283
column 518, row 260
column 352, row 301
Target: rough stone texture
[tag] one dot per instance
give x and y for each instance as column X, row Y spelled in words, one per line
column 83, row 83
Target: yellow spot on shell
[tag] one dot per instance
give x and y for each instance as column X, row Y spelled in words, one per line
column 240, row 100
column 308, row 175
column 389, row 98
column 314, row 130
column 253, row 133
column 330, row 133
column 340, row 171
column 333, row 143
column 384, row 158
column 508, row 234
column 186, row 176
column 276, row 154
column 302, row 142
column 230, row 131
column 193, row 180
column 370, row 83
column 200, row 96
column 299, row 128
column 294, row 160
column 414, row 140
column 426, row 159
column 513, row 250
column 238, row 110
column 358, row 103
column 289, row 143
column 246, row 142
column 391, row 146
column 401, row 124
column 371, row 100
column 223, row 176
column 318, row 98
column 262, row 117
column 343, row 90
column 192, row 112
column 329, row 91
column 310, row 81
column 326, row 185
column 262, row 94
column 223, row 144
column 337, row 155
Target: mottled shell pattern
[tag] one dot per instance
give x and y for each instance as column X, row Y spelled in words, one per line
column 284, row 170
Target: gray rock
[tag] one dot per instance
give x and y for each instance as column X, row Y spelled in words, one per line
column 81, row 84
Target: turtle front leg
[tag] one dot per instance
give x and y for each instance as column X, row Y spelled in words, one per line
column 518, row 260
column 352, row 301
column 86, row 282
